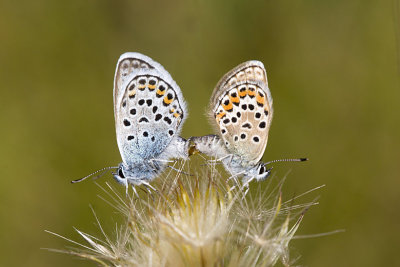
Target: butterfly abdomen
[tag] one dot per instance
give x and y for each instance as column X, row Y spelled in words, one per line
column 210, row 145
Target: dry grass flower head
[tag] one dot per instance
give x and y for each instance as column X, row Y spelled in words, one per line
column 197, row 220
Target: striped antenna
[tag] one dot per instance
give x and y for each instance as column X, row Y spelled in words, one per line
column 101, row 170
column 286, row 160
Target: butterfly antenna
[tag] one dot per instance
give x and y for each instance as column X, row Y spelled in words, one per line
column 101, row 170
column 286, row 160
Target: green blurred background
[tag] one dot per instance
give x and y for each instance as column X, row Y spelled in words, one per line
column 333, row 69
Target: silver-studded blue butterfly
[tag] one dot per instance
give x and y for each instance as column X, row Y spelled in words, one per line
column 241, row 111
column 149, row 112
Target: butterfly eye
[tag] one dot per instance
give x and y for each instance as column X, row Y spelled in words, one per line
column 262, row 170
column 121, row 174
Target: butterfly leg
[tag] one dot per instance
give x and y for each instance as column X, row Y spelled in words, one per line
column 126, row 187
column 246, row 187
column 149, row 186
column 134, row 191
column 234, row 177
column 162, row 160
column 221, row 159
column 179, row 171
column 247, row 182
column 149, row 189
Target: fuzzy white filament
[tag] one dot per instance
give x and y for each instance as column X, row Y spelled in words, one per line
column 197, row 221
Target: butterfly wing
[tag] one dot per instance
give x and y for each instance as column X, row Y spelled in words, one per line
column 127, row 64
column 149, row 108
column 241, row 109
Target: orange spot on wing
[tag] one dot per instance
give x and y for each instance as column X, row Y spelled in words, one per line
column 160, row 93
column 260, row 99
column 242, row 92
column 168, row 101
column 220, row 116
column 228, row 107
column 151, row 87
column 251, row 92
column 132, row 93
column 234, row 99
column 176, row 115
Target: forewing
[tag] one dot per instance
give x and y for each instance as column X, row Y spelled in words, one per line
column 242, row 110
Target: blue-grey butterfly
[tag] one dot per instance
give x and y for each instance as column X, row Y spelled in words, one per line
column 149, row 112
column 241, row 110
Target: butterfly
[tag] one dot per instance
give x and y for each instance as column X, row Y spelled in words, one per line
column 241, row 110
column 149, row 111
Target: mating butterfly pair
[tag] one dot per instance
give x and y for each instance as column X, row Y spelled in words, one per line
column 150, row 110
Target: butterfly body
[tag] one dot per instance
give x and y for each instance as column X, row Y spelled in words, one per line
column 149, row 112
column 213, row 146
column 241, row 111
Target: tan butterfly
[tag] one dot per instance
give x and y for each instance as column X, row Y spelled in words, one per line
column 241, row 110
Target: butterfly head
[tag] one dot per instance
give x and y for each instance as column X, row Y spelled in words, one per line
column 121, row 175
column 259, row 172
column 136, row 173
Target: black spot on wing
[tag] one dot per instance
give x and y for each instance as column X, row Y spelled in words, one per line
column 246, row 125
column 143, row 119
column 158, row 117
column 167, row 120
